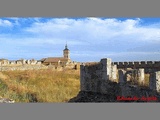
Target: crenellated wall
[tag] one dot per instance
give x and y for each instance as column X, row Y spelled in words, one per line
column 98, row 76
column 149, row 66
column 23, row 67
column 22, row 64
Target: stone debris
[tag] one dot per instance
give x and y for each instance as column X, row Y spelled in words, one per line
column 111, row 96
column 6, row 100
column 92, row 97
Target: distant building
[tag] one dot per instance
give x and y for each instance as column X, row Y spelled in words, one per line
column 58, row 61
column 50, row 62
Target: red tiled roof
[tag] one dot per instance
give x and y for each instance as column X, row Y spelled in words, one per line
column 42, row 60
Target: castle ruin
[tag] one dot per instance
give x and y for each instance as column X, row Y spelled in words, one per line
column 55, row 63
column 97, row 76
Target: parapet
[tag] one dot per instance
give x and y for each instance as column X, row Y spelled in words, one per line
column 96, row 76
column 139, row 64
column 90, row 63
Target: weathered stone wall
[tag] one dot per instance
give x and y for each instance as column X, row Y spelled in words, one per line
column 32, row 65
column 95, row 76
column 147, row 65
column 141, row 76
column 98, row 77
column 114, row 72
column 90, row 76
column 136, row 76
column 122, row 78
column 154, row 81
column 23, row 67
column 19, row 62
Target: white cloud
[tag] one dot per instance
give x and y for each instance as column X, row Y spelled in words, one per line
column 99, row 30
column 23, row 21
column 90, row 37
column 5, row 23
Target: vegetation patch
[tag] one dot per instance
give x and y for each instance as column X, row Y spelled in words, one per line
column 40, row 85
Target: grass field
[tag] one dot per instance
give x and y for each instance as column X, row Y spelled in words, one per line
column 40, row 85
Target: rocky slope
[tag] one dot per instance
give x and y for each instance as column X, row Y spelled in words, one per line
column 117, row 93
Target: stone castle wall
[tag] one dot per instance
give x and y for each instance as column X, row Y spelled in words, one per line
column 97, row 76
column 139, row 64
column 6, row 65
column 23, row 67
column 155, row 81
column 33, row 67
column 94, row 76
column 19, row 62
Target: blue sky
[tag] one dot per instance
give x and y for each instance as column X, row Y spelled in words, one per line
column 89, row 39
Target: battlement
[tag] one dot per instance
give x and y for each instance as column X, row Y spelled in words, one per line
column 5, row 62
column 6, row 65
column 139, row 64
column 97, row 76
column 90, row 63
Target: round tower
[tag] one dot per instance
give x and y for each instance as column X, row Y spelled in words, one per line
column 66, row 52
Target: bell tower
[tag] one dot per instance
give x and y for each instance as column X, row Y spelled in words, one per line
column 66, row 53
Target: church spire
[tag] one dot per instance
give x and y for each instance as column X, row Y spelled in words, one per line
column 66, row 47
column 66, row 52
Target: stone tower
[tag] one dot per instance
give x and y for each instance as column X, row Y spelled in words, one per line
column 66, row 52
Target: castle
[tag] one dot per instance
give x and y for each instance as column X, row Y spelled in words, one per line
column 98, row 76
column 58, row 63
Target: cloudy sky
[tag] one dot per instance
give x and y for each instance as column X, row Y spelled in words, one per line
column 89, row 39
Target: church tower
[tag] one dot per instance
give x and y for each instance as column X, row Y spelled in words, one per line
column 66, row 52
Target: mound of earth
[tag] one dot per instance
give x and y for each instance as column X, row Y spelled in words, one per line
column 115, row 93
column 98, row 97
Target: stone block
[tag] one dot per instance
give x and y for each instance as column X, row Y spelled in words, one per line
column 121, row 74
column 141, row 76
column 154, row 81
column 114, row 73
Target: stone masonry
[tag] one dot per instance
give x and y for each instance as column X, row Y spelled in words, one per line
column 114, row 73
column 106, row 69
column 146, row 65
column 122, row 79
column 141, row 77
column 96, row 77
column 154, row 82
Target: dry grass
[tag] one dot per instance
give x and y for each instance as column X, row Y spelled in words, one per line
column 40, row 85
column 147, row 79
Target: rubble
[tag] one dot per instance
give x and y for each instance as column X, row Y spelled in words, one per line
column 114, row 91
column 6, row 100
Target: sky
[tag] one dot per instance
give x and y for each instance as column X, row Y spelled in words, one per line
column 88, row 39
